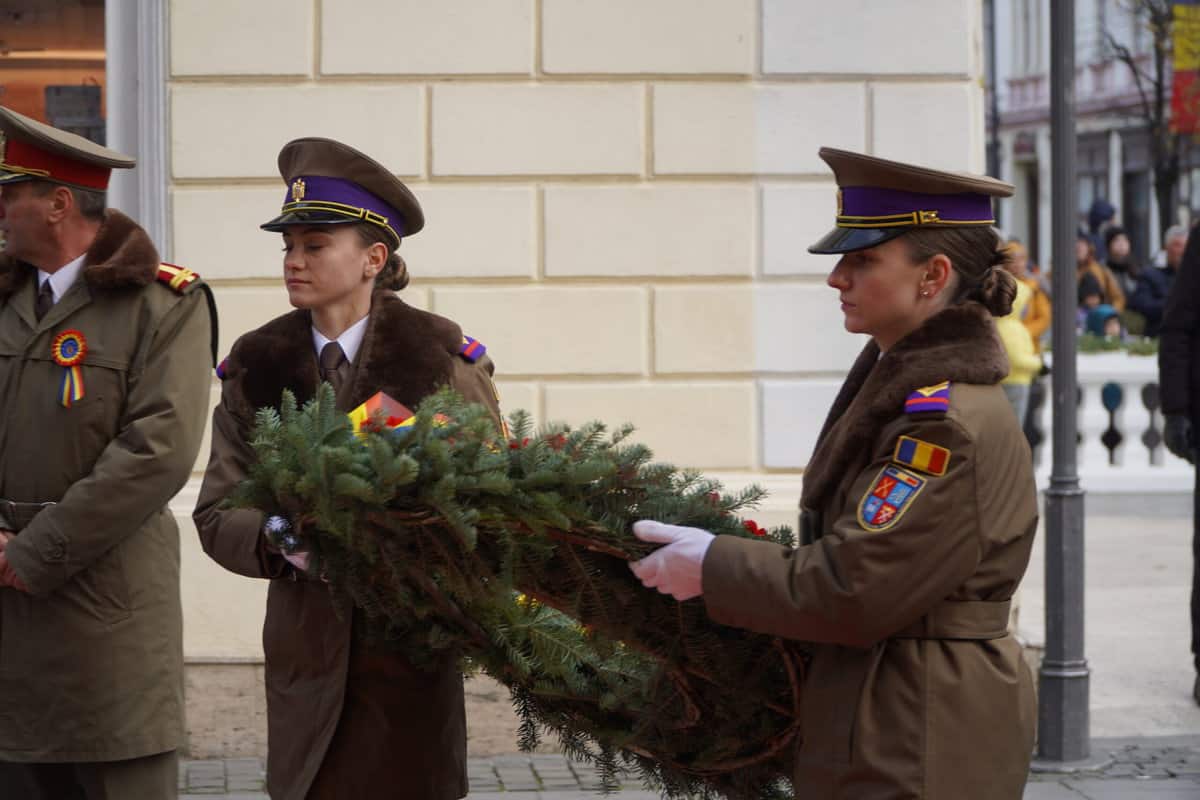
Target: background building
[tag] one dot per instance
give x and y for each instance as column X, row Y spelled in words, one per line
column 619, row 196
column 1113, row 155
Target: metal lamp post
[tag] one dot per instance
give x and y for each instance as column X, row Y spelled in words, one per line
column 1063, row 723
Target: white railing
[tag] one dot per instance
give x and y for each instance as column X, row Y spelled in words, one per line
column 1120, row 429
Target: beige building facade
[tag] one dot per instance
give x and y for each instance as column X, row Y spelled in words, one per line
column 619, row 195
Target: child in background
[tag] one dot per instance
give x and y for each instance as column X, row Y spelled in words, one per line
column 1023, row 360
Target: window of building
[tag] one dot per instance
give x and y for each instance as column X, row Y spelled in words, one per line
column 52, row 63
column 1091, row 165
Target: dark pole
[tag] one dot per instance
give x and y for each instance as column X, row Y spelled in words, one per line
column 1063, row 708
column 993, row 114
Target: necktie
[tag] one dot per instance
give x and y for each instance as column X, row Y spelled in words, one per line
column 45, row 300
column 333, row 365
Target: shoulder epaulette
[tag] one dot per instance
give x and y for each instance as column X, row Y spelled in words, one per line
column 181, row 279
column 471, row 349
column 929, row 398
column 176, row 277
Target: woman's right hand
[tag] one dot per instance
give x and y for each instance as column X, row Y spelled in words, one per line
column 298, row 560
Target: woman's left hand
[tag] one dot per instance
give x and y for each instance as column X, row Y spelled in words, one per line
column 677, row 568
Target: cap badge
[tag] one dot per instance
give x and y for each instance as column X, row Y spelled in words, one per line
column 297, row 190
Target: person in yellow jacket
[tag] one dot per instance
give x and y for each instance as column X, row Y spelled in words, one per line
column 1037, row 313
column 1024, row 363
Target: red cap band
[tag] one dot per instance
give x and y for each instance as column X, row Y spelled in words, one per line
column 23, row 157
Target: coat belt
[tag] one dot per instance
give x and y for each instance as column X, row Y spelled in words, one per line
column 14, row 515
column 960, row 619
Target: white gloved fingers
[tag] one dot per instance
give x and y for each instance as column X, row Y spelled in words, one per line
column 647, row 569
column 650, row 531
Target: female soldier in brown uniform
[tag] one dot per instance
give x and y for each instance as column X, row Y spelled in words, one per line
column 344, row 719
column 919, row 511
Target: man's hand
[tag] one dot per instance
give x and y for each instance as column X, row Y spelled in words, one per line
column 676, row 569
column 8, row 576
column 1177, row 435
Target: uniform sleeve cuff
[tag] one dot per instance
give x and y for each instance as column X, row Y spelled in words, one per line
column 39, row 559
column 723, row 579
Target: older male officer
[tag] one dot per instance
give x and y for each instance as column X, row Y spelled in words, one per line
column 104, row 383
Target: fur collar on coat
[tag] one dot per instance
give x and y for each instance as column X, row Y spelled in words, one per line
column 121, row 255
column 958, row 344
column 405, row 352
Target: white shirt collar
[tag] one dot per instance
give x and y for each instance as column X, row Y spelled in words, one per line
column 63, row 279
column 350, row 340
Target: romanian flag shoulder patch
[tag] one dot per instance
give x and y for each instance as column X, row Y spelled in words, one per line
column 929, row 398
column 929, row 458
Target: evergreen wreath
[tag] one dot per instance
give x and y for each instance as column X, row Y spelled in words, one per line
column 513, row 555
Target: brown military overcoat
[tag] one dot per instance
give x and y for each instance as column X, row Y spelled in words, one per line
column 91, row 663
column 915, row 690
column 344, row 720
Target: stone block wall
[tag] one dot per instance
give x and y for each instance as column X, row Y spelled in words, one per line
column 619, row 196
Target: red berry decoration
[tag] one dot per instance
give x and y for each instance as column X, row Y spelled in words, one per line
column 754, row 528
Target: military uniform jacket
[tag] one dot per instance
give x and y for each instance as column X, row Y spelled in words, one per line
column 915, row 690
column 344, row 720
column 91, row 662
column 1179, row 342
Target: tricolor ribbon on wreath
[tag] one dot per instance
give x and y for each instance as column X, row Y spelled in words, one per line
column 68, row 350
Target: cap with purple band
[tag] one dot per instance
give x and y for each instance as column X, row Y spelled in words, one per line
column 879, row 200
column 341, row 198
column 331, row 183
column 875, row 207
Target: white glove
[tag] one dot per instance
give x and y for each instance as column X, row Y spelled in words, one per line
column 676, row 569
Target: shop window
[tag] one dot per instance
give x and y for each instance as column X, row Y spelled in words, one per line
column 52, row 63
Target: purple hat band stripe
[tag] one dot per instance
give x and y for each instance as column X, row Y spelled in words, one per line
column 319, row 193
column 873, row 207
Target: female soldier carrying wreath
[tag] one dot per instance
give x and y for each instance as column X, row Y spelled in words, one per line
column 345, row 719
column 919, row 511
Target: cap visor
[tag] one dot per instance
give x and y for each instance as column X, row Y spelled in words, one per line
column 847, row 240
column 306, row 218
column 318, row 217
column 14, row 177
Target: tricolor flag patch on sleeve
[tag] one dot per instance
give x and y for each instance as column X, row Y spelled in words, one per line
column 926, row 457
column 929, row 398
column 891, row 494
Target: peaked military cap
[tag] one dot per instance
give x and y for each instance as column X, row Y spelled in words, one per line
column 32, row 150
column 331, row 183
column 880, row 199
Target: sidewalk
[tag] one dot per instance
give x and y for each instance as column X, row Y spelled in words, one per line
column 1164, row 768
column 1138, row 581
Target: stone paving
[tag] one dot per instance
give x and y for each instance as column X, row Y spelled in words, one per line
column 1164, row 768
